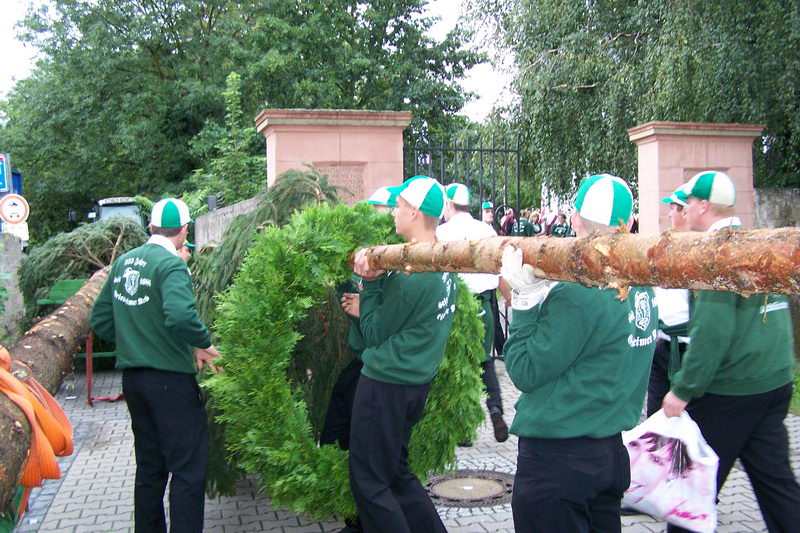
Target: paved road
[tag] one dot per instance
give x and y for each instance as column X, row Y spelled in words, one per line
column 96, row 491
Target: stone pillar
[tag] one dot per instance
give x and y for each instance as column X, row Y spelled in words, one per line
column 361, row 150
column 11, row 303
column 670, row 153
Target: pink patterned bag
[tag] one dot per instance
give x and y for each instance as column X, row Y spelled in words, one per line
column 673, row 472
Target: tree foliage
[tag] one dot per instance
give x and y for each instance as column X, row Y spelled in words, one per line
column 589, row 70
column 76, row 254
column 129, row 97
column 266, row 394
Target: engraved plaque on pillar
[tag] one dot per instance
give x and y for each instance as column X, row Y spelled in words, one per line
column 349, row 175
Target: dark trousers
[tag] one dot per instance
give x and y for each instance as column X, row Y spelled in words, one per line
column 658, row 386
column 170, row 432
column 751, row 428
column 494, row 401
column 389, row 498
column 573, row 485
column 499, row 334
column 336, row 427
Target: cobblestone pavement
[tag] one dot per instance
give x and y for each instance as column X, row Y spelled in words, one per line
column 96, row 491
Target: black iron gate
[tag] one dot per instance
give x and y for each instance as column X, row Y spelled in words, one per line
column 492, row 171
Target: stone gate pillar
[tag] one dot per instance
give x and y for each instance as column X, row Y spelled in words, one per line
column 361, row 150
column 672, row 152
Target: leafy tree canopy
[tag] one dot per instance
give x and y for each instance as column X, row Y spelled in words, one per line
column 590, row 69
column 123, row 91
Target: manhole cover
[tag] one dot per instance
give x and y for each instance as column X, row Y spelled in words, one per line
column 471, row 488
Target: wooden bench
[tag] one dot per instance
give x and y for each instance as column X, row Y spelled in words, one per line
column 62, row 291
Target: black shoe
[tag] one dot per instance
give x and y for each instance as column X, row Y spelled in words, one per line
column 465, row 444
column 500, row 428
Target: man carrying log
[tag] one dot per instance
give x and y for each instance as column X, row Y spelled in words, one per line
column 405, row 322
column 460, row 225
column 147, row 308
column 673, row 320
column 581, row 358
column 736, row 375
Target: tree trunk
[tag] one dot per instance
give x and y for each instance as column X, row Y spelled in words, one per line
column 741, row 261
column 47, row 349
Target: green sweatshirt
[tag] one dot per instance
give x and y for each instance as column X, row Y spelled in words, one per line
column 582, row 361
column 405, row 322
column 147, row 308
column 739, row 346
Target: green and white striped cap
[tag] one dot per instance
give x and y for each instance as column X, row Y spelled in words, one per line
column 424, row 193
column 170, row 213
column 712, row 185
column 487, row 205
column 458, row 193
column 604, row 199
column 678, row 196
column 382, row 196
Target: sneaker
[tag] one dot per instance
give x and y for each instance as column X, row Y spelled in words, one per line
column 500, row 428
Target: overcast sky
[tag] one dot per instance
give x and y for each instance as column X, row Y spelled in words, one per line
column 488, row 83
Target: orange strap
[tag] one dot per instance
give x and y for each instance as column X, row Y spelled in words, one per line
column 51, row 431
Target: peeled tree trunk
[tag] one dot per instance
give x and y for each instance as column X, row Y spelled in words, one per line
column 47, row 349
column 743, row 261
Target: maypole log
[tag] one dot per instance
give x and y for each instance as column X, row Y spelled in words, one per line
column 743, row 261
column 47, row 349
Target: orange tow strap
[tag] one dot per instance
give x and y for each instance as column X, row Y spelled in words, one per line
column 51, row 431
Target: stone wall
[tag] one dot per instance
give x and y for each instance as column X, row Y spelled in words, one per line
column 10, row 296
column 208, row 228
column 780, row 208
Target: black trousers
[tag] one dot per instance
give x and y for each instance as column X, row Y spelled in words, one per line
column 336, row 427
column 658, row 386
column 499, row 334
column 389, row 498
column 494, row 402
column 170, row 432
column 751, row 428
column 570, row 485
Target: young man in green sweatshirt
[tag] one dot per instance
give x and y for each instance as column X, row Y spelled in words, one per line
column 147, row 308
column 405, row 322
column 735, row 378
column 581, row 357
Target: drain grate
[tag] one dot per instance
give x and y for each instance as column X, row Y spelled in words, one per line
column 471, row 488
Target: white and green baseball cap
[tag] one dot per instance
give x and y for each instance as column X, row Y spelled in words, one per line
column 712, row 185
column 424, row 193
column 604, row 199
column 382, row 196
column 487, row 205
column 678, row 196
column 170, row 213
column 458, row 193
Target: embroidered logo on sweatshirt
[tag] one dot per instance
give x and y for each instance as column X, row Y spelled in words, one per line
column 642, row 310
column 131, row 281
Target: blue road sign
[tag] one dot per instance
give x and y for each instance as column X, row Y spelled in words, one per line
column 5, row 173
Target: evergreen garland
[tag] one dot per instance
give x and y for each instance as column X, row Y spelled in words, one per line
column 288, row 274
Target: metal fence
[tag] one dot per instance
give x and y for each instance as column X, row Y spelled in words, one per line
column 491, row 170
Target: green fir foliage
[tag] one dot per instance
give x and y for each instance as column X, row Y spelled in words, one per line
column 270, row 425
column 76, row 254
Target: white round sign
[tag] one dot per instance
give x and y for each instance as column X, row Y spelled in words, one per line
column 14, row 209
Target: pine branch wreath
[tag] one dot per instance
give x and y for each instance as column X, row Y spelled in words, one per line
column 287, row 274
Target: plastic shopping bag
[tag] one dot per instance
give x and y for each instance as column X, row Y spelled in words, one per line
column 673, row 472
